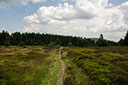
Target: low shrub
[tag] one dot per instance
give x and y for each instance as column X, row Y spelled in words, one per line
column 105, row 67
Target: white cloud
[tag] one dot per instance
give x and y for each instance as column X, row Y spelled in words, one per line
column 38, row 1
column 8, row 3
column 87, row 18
column 125, row 12
column 110, row 5
column 64, row 0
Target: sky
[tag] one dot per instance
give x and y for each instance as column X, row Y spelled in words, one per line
column 85, row 18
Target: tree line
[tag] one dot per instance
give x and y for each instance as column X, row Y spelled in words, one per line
column 43, row 39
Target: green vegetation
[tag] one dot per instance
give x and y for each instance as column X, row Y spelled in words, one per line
column 37, row 39
column 28, row 66
column 105, row 67
column 101, row 41
column 49, row 40
column 52, row 45
column 74, row 75
column 54, row 70
column 36, row 61
column 70, row 44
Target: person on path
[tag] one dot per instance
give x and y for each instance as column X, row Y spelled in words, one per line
column 61, row 54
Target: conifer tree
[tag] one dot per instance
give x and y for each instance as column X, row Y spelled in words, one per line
column 101, row 41
column 126, row 39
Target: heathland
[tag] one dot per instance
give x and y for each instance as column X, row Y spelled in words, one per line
column 37, row 65
column 47, row 59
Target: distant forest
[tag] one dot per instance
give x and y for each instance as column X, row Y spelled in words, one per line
column 21, row 39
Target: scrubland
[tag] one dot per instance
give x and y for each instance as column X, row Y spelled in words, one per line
column 36, row 65
column 102, row 65
column 33, row 65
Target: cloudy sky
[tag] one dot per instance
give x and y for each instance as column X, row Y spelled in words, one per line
column 86, row 18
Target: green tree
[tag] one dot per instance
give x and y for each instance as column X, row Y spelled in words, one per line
column 4, row 37
column 101, row 37
column 16, row 38
column 121, row 42
column 102, row 42
column 126, row 39
column 58, row 42
column 82, row 42
column 7, row 41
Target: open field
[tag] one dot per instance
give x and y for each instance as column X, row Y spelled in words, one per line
column 35, row 65
column 103, row 65
column 29, row 66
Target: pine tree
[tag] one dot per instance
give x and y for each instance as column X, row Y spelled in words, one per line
column 121, row 42
column 126, row 39
column 101, row 37
column 102, row 42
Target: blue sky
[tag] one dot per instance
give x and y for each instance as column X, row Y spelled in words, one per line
column 117, row 2
column 11, row 18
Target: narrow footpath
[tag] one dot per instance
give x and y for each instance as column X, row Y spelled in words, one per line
column 61, row 75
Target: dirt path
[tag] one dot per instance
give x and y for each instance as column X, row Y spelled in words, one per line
column 60, row 79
